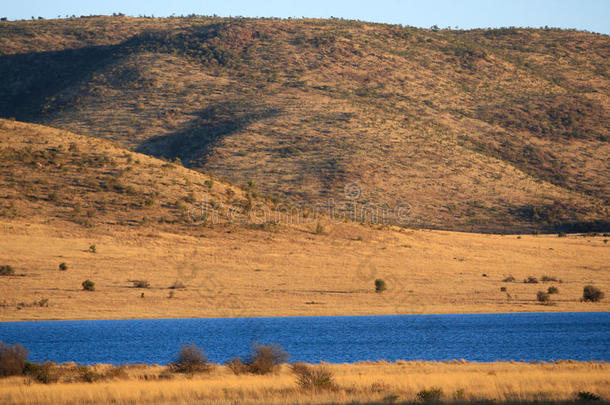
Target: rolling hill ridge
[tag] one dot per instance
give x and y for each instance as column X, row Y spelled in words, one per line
column 501, row 130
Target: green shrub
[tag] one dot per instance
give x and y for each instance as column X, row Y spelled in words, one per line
column 531, row 280
column 553, row 290
column 433, row 394
column 380, row 285
column 592, row 294
column 63, row 266
column 543, row 297
column 12, row 359
column 92, row 249
column 88, row 285
column 503, row 289
column 509, row 279
column 6, row 270
column 548, row 278
column 313, row 378
column 191, row 360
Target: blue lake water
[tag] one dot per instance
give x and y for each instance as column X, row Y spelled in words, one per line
column 474, row 337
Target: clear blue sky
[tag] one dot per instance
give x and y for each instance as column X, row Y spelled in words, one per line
column 592, row 15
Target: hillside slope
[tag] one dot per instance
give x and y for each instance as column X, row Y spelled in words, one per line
column 54, row 176
column 485, row 130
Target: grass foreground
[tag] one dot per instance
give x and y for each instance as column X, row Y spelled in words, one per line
column 362, row 383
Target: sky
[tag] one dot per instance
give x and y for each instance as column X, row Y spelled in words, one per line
column 591, row 15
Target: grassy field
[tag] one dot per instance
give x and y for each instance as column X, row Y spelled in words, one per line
column 289, row 272
column 359, row 383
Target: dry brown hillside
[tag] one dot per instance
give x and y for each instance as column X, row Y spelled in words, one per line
column 487, row 130
column 54, row 176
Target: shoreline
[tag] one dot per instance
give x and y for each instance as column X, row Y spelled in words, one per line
column 304, row 316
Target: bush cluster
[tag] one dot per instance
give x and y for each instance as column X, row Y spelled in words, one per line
column 380, row 285
column 592, row 294
column 6, row 270
column 12, row 359
column 191, row 360
column 264, row 359
column 543, row 297
column 140, row 283
column 313, row 378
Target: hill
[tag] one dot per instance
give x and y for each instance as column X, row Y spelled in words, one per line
column 499, row 130
column 50, row 175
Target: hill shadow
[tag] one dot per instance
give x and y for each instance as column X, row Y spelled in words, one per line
column 193, row 143
column 32, row 82
column 31, row 79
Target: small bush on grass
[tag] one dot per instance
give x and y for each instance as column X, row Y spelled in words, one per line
column 592, row 294
column 140, row 283
column 380, row 285
column 263, row 360
column 266, row 358
column 543, row 297
column 237, row 366
column 63, row 266
column 191, row 360
column 509, row 279
column 88, row 285
column 553, row 290
column 318, row 378
column 6, row 270
column 432, row 394
column 12, row 359
column 531, row 280
column 548, row 278
column 585, row 396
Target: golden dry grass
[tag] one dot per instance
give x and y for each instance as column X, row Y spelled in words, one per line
column 356, row 383
column 289, row 272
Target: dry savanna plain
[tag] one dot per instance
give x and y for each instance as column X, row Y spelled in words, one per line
column 290, row 272
column 218, row 167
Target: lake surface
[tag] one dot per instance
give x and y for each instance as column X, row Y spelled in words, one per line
column 474, row 337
